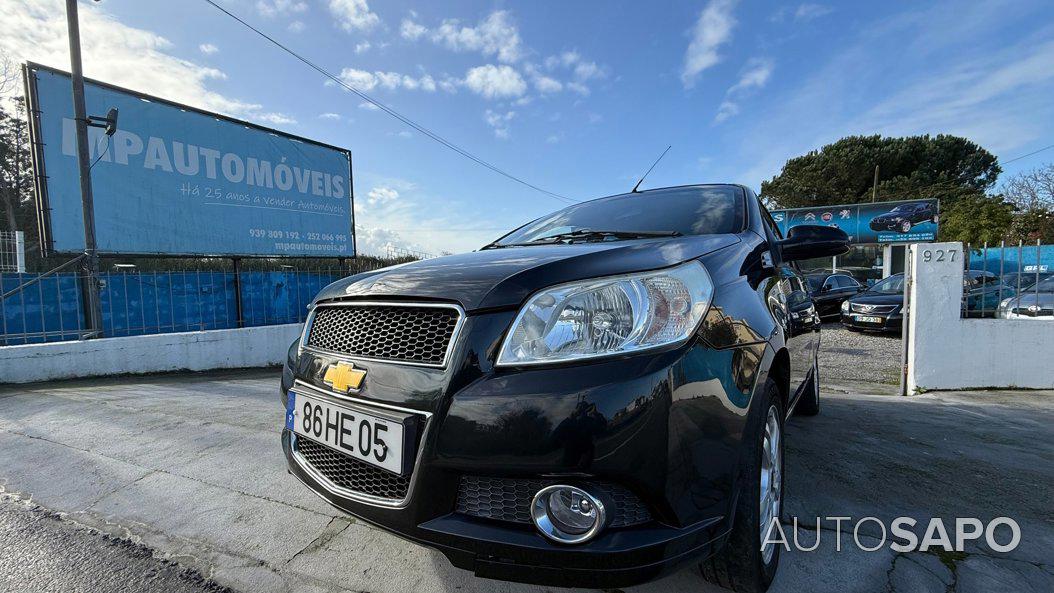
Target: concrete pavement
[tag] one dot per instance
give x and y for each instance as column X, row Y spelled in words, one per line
column 189, row 466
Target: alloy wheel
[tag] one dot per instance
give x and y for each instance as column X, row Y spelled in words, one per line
column 771, row 480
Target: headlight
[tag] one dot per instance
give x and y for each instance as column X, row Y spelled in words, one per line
column 845, row 306
column 607, row 316
column 1004, row 307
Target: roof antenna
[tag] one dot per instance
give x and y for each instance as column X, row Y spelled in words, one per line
column 650, row 168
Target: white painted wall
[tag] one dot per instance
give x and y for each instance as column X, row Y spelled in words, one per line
column 194, row 351
column 948, row 352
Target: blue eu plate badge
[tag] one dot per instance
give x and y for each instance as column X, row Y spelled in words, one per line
column 290, row 405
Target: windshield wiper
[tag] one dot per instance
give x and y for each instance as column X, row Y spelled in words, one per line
column 592, row 236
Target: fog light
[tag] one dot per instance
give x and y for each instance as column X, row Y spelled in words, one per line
column 567, row 514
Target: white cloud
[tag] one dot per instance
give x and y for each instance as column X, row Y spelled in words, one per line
column 578, row 87
column 119, row 54
column 494, row 35
column 278, row 119
column 274, row 8
column 353, row 15
column 208, row 49
column 807, row 12
column 712, row 30
column 495, row 82
column 546, row 85
column 411, row 30
column 368, row 106
column 296, row 27
column 754, row 77
column 499, row 122
column 335, row 116
column 367, row 81
column 580, row 70
column 362, row 47
column 381, row 195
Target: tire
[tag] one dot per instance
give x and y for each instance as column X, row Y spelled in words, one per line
column 935, row 219
column 905, row 227
column 809, row 404
column 740, row 565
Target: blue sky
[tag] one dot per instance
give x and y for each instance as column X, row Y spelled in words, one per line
column 577, row 98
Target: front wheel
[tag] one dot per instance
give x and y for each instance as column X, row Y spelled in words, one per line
column 905, row 227
column 744, row 564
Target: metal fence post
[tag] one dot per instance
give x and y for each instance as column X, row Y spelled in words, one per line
column 238, row 292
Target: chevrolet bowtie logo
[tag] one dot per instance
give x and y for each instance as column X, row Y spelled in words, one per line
column 344, row 377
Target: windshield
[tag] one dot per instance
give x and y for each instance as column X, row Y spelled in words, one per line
column 902, row 208
column 891, row 285
column 1045, row 285
column 815, row 282
column 685, row 210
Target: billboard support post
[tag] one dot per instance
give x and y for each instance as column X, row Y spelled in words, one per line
column 238, row 291
column 93, row 314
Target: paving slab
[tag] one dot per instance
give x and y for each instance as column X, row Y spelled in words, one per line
column 189, row 465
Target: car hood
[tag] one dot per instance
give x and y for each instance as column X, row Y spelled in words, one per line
column 877, row 298
column 498, row 278
column 1027, row 299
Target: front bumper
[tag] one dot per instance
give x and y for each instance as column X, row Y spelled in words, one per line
column 890, row 322
column 664, row 426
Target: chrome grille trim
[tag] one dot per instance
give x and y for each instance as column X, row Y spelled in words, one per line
column 858, row 308
column 342, row 400
column 455, row 334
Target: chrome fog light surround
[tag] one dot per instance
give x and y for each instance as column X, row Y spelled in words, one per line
column 567, row 514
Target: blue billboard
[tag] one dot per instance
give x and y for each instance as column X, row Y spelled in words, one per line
column 873, row 222
column 174, row 180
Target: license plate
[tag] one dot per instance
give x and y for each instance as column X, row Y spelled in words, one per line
column 366, row 437
column 868, row 319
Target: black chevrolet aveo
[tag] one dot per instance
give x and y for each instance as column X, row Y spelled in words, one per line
column 595, row 399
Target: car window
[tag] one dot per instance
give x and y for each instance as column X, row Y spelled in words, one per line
column 815, row 282
column 694, row 210
column 891, row 285
column 844, row 282
column 831, row 282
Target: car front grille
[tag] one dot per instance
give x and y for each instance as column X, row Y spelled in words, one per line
column 351, row 474
column 858, row 308
column 401, row 333
column 509, row 499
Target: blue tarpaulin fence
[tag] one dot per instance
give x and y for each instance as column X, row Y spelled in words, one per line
column 140, row 303
column 1028, row 255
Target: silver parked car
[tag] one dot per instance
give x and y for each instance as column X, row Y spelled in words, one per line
column 1034, row 302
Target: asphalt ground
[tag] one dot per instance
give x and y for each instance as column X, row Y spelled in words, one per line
column 42, row 552
column 183, row 474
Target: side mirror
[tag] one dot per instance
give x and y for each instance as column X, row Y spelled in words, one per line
column 808, row 241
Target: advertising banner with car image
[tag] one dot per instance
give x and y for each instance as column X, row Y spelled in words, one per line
column 875, row 222
column 174, row 180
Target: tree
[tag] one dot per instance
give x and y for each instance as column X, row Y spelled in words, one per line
column 16, row 174
column 1032, row 193
column 976, row 218
column 909, row 167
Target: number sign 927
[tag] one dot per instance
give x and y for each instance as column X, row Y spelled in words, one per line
column 375, row 440
column 939, row 255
